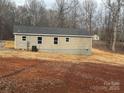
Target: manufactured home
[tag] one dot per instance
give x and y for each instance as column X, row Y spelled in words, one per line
column 55, row 40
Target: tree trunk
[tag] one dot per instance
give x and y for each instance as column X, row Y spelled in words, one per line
column 114, row 39
column 90, row 28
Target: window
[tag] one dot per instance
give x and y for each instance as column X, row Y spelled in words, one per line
column 55, row 40
column 39, row 40
column 67, row 39
column 23, row 38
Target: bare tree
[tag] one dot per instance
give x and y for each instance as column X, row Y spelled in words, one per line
column 89, row 8
column 22, row 17
column 52, row 15
column 74, row 13
column 37, row 12
column 115, row 8
column 62, row 10
column 6, row 19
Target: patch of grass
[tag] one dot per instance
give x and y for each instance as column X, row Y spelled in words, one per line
column 98, row 56
column 9, row 44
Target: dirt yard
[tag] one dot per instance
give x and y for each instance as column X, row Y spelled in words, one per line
column 39, row 72
column 38, row 76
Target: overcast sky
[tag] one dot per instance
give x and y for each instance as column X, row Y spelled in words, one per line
column 48, row 3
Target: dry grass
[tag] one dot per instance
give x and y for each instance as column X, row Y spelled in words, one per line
column 98, row 56
column 9, row 44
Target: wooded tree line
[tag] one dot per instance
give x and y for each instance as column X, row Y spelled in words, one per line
column 105, row 19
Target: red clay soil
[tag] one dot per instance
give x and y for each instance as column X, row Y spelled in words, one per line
column 36, row 76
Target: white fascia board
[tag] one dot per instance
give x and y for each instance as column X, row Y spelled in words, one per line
column 52, row 35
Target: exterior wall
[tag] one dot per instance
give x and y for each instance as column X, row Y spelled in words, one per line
column 96, row 37
column 75, row 45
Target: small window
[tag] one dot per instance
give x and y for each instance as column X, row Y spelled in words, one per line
column 39, row 40
column 55, row 40
column 67, row 39
column 23, row 38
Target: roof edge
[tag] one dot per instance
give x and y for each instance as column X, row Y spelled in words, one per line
column 90, row 36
